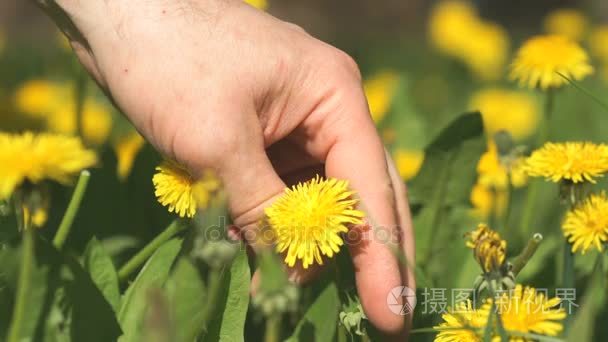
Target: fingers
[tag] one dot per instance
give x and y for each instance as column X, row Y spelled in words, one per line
column 357, row 154
column 406, row 241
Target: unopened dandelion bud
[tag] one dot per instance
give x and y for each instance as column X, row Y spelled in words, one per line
column 217, row 253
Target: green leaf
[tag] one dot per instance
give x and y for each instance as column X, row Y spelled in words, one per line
column 453, row 153
column 320, row 320
column 63, row 300
column 35, row 296
column 186, row 292
column 99, row 265
column 445, row 181
column 582, row 327
column 229, row 325
column 153, row 275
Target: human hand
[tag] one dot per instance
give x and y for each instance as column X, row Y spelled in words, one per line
column 218, row 84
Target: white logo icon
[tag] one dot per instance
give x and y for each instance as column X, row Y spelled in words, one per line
column 401, row 300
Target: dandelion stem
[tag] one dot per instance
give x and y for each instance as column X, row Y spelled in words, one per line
column 273, row 328
column 568, row 266
column 214, row 288
column 530, row 201
column 80, row 89
column 548, row 114
column 24, row 281
column 68, row 218
column 525, row 256
column 140, row 258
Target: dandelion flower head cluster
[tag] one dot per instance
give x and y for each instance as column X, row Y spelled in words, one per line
column 37, row 157
column 309, row 218
column 177, row 190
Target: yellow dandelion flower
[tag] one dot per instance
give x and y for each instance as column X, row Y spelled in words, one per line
column 126, row 149
column 573, row 161
column 541, row 58
column 308, row 219
column 493, row 174
column 486, row 50
column 177, row 190
column 40, row 98
column 456, row 30
column 261, row 4
column 526, row 310
column 450, row 25
column 598, row 42
column 96, row 121
column 34, row 158
column 567, row 22
column 464, row 315
column 380, row 91
column 487, row 201
column 408, row 162
column 488, row 247
column 586, row 226
column 511, row 111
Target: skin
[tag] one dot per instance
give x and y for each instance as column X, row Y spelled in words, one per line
column 218, row 84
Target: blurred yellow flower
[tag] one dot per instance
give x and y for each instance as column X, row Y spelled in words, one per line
column 525, row 310
column 40, row 98
column 464, row 315
column 380, row 91
column 450, row 25
column 261, row 4
column 490, row 195
column 507, row 110
column 456, row 30
column 541, row 58
column 176, row 189
column 487, row 50
column 308, row 218
column 586, row 225
column 598, row 43
column 487, row 201
column 38, row 218
column 573, row 161
column 567, row 22
column 30, row 157
column 488, row 247
column 408, row 162
column 126, row 149
column 96, row 121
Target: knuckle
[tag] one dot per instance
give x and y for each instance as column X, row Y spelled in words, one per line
column 348, row 63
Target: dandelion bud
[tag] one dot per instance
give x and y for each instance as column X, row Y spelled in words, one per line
column 351, row 318
column 488, row 247
column 217, row 253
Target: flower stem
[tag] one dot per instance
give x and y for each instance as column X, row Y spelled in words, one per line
column 567, row 266
column 544, row 133
column 214, row 287
column 68, row 218
column 24, row 281
column 525, row 256
column 140, row 258
column 273, row 328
